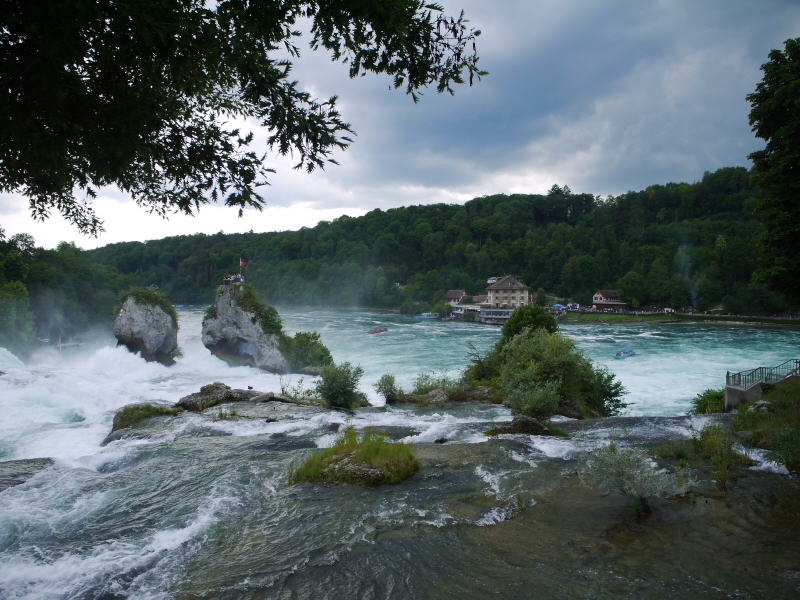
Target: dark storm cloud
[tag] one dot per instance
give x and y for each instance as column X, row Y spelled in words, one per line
column 603, row 96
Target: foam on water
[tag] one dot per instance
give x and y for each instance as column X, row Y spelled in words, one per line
column 134, row 563
column 61, row 405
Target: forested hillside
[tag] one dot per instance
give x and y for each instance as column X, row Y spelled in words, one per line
column 678, row 244
column 52, row 293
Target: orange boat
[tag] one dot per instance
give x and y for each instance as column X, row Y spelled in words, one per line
column 378, row 330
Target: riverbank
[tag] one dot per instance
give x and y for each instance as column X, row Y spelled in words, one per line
column 577, row 317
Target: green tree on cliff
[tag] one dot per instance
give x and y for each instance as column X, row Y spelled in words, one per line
column 775, row 117
column 141, row 94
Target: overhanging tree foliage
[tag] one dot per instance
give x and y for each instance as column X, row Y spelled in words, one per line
column 141, row 94
column 775, row 117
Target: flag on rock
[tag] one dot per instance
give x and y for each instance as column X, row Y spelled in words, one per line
column 241, row 263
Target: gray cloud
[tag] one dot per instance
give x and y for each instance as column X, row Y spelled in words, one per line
column 611, row 96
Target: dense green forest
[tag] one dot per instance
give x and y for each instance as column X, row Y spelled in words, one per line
column 679, row 244
column 52, row 293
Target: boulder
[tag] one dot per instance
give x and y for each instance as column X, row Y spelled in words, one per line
column 147, row 329
column 436, row 396
column 213, row 394
column 234, row 330
column 759, row 406
column 345, row 469
column 520, row 424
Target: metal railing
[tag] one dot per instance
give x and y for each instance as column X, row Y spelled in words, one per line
column 745, row 379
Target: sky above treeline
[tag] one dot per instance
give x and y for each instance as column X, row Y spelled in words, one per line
column 604, row 97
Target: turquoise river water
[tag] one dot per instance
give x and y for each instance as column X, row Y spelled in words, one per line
column 195, row 506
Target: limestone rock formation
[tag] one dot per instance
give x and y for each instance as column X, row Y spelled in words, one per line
column 146, row 327
column 241, row 331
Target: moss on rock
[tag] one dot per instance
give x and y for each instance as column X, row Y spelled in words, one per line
column 133, row 413
column 150, row 297
column 369, row 461
column 266, row 316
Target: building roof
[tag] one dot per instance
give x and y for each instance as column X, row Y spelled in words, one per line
column 508, row 283
column 480, row 299
column 457, row 294
column 607, row 293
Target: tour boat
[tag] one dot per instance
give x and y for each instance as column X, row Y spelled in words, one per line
column 378, row 330
column 624, row 353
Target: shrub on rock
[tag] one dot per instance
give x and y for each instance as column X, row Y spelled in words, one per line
column 338, row 385
column 630, row 471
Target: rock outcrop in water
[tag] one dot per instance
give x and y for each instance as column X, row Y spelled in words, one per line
column 213, row 394
column 520, row 424
column 147, row 323
column 240, row 330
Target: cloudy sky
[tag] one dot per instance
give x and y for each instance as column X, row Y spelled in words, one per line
column 603, row 96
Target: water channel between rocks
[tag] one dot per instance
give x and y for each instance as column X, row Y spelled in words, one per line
column 192, row 507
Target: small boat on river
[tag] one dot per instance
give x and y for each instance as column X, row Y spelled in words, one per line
column 426, row 315
column 378, row 330
column 625, row 353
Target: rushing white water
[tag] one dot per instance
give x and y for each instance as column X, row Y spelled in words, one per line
column 141, row 515
column 61, row 404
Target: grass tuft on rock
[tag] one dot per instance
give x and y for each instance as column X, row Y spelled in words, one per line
column 369, row 461
column 150, row 297
column 713, row 446
column 133, row 413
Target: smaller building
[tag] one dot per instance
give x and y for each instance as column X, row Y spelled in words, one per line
column 607, row 299
column 508, row 292
column 455, row 296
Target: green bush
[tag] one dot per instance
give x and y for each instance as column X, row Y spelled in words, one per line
column 456, row 391
column 539, row 402
column 394, row 461
column 133, row 413
column 388, row 389
column 536, row 366
column 530, row 316
column 266, row 316
column 338, row 385
column 631, row 472
column 149, row 297
column 304, row 350
column 708, row 401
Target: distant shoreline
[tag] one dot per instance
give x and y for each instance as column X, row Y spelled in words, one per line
column 574, row 317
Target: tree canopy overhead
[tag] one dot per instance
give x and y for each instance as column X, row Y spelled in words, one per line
column 775, row 117
column 140, row 93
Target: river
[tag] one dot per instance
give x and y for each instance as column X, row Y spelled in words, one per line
column 197, row 507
